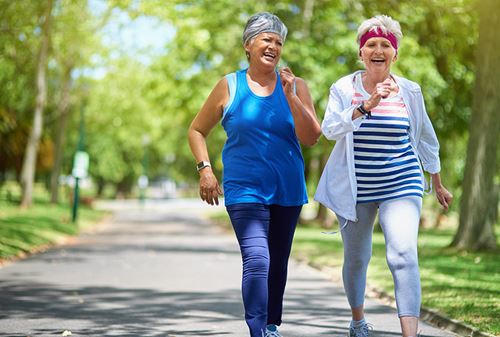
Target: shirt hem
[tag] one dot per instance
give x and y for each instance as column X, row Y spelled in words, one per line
column 269, row 202
column 391, row 198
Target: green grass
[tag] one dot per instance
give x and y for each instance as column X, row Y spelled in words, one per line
column 27, row 230
column 463, row 286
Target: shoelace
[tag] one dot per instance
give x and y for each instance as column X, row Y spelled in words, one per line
column 363, row 331
column 272, row 333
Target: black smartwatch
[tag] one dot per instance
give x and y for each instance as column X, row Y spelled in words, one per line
column 202, row 164
column 364, row 112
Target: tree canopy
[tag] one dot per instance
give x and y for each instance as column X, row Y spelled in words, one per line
column 138, row 101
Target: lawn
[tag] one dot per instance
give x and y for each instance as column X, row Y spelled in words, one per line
column 27, row 230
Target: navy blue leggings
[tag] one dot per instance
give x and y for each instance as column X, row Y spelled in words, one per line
column 265, row 234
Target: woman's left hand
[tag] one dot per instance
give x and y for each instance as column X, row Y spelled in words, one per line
column 442, row 194
column 444, row 197
column 287, row 81
column 301, row 106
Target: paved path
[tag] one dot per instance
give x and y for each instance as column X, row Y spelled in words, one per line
column 162, row 271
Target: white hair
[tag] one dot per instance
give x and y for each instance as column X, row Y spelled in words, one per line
column 383, row 22
column 264, row 23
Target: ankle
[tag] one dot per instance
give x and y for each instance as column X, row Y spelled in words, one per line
column 356, row 324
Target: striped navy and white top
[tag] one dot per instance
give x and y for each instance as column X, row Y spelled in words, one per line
column 385, row 164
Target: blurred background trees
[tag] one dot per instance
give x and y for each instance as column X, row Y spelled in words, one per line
column 479, row 204
column 137, row 99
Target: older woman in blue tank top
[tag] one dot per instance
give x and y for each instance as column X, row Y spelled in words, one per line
column 384, row 141
column 265, row 114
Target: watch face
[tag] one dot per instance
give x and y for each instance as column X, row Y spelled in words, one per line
column 202, row 164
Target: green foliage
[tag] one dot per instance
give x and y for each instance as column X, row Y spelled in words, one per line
column 19, row 40
column 118, row 120
column 72, row 42
column 159, row 98
column 320, row 48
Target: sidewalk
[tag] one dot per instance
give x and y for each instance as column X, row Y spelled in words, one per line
column 163, row 271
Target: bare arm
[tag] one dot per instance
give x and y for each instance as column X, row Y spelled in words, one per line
column 209, row 115
column 306, row 122
column 444, row 197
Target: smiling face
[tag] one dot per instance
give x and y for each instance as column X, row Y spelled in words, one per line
column 378, row 54
column 265, row 49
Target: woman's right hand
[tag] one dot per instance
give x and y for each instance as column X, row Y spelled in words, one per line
column 382, row 90
column 209, row 187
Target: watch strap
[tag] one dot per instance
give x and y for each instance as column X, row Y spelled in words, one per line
column 364, row 112
column 202, row 164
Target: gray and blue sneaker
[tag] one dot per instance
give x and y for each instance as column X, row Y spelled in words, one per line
column 364, row 330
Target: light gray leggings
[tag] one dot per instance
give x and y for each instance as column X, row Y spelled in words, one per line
column 399, row 219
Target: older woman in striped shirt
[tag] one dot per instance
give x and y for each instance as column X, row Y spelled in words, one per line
column 384, row 141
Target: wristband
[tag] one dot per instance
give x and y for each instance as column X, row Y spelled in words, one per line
column 364, row 112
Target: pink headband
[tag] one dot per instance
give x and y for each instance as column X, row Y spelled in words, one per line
column 377, row 32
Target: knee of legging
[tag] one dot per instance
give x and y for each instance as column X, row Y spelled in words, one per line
column 256, row 262
column 357, row 262
column 402, row 260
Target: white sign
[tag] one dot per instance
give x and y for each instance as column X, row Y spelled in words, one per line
column 143, row 181
column 81, row 165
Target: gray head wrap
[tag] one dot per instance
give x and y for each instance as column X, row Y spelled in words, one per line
column 264, row 23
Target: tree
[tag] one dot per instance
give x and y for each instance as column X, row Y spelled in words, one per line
column 29, row 163
column 63, row 112
column 74, row 43
column 118, row 117
column 19, row 21
column 199, row 50
column 479, row 206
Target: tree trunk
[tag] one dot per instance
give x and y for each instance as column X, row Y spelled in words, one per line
column 30, row 156
column 101, row 184
column 306, row 18
column 478, row 211
column 62, row 111
column 124, row 187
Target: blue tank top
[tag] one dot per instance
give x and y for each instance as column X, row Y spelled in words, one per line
column 262, row 158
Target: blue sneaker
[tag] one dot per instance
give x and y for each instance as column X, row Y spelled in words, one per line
column 272, row 331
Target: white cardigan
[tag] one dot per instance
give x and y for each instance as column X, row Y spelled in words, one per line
column 337, row 188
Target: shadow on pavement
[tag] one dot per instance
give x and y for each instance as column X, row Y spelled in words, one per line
column 113, row 311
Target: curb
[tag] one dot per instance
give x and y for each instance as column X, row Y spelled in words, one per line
column 430, row 316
